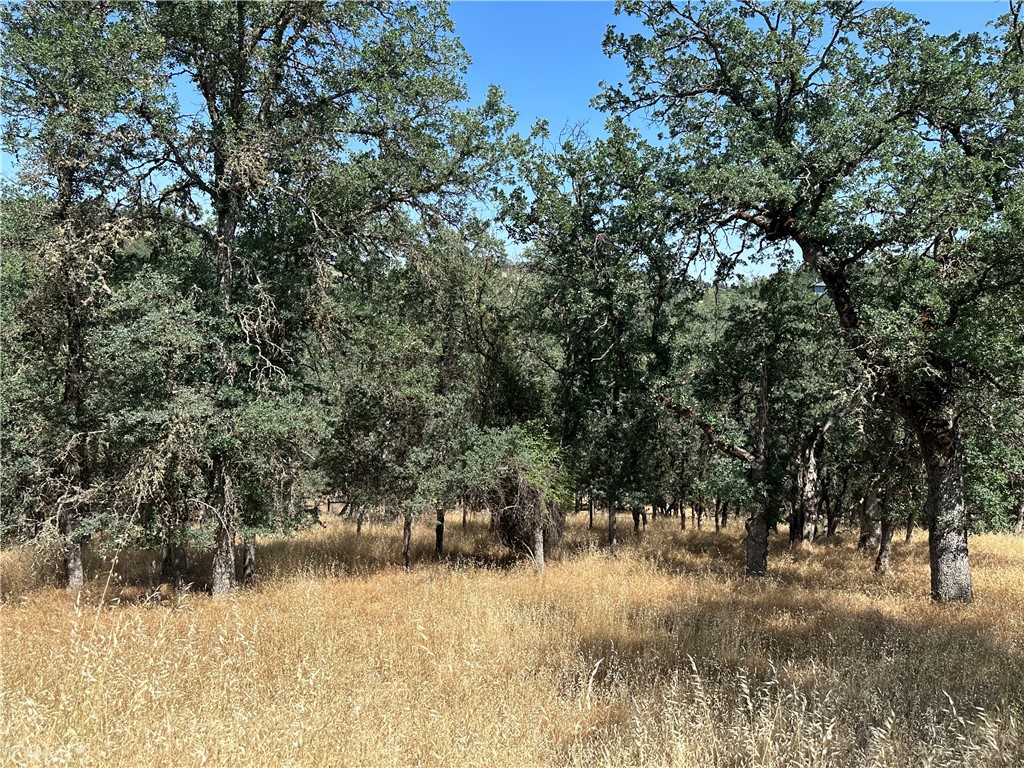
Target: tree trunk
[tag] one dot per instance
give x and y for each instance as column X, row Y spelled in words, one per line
column 885, row 543
column 681, row 509
column 74, row 572
column 613, row 541
column 910, row 529
column 870, row 525
column 945, row 512
column 643, row 517
column 223, row 562
column 538, row 547
column 174, row 565
column 1019, row 527
column 465, row 515
column 439, row 535
column 406, row 540
column 249, row 559
column 360, row 518
column 757, row 544
column 718, row 516
column 636, row 522
column 590, row 507
column 73, row 568
column 725, row 514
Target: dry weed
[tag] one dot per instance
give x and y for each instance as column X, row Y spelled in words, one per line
column 664, row 656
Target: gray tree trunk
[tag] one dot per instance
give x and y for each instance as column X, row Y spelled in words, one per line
column 1019, row 527
column 249, row 559
column 885, row 542
column 73, row 566
column 74, row 572
column 807, row 506
column 910, row 529
column 538, row 547
column 870, row 521
column 223, row 580
column 946, row 514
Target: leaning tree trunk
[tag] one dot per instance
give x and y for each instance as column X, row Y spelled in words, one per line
column 249, row 559
column 538, row 547
column 945, row 511
column 406, row 539
column 613, row 540
column 439, row 535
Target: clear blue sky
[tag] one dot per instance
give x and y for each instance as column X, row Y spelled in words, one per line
column 547, row 56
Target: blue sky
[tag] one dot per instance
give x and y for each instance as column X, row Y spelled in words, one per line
column 547, row 56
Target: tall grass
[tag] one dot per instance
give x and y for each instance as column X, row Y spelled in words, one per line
column 664, row 656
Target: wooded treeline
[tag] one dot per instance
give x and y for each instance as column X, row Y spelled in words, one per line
column 247, row 267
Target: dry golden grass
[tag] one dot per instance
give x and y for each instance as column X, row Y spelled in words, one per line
column 664, row 656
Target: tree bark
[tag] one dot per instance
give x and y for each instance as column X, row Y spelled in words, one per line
column 249, row 559
column 725, row 514
column 636, row 522
column 538, row 547
column 930, row 412
column 1019, row 527
column 406, row 540
column 74, row 571
column 946, row 514
column 439, row 535
column 223, row 562
column 613, row 541
column 870, row 523
column 757, row 544
column 681, row 509
column 884, row 546
column 910, row 529
column 590, row 507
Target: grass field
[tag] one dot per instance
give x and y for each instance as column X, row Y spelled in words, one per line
column 664, row 656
